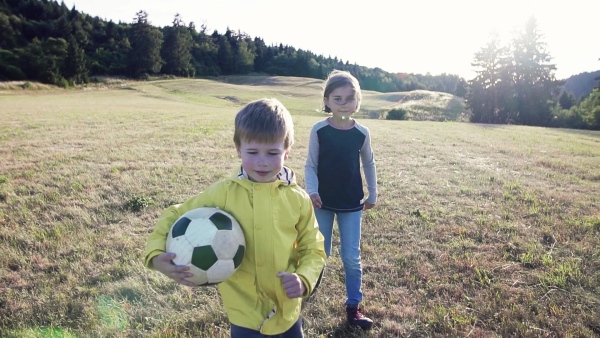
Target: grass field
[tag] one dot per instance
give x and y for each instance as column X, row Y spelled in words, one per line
column 480, row 230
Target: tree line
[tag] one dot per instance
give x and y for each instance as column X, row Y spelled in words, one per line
column 42, row 40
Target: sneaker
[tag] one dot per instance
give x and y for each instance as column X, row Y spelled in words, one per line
column 355, row 317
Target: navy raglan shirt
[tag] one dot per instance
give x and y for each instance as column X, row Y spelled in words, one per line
column 333, row 166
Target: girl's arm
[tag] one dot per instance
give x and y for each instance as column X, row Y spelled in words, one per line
column 368, row 163
column 312, row 163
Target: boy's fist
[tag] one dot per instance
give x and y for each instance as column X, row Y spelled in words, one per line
column 292, row 284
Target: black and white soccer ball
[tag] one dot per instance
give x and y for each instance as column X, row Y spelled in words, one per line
column 209, row 241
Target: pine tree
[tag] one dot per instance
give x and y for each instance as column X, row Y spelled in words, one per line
column 205, row 54
column 75, row 63
column 490, row 91
column 260, row 52
column 146, row 40
column 534, row 76
column 225, row 56
column 176, row 49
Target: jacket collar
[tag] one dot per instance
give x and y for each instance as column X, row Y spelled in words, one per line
column 285, row 177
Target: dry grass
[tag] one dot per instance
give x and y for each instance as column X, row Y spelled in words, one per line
column 11, row 87
column 480, row 231
column 421, row 105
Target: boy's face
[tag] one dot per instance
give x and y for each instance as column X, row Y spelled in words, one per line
column 262, row 161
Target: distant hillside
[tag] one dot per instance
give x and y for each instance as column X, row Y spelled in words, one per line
column 301, row 95
column 421, row 105
column 581, row 85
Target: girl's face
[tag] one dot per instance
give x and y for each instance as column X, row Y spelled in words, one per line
column 262, row 161
column 342, row 102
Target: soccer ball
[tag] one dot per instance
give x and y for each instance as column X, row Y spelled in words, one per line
column 209, row 241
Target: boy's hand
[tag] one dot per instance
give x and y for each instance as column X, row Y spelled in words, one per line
column 368, row 206
column 292, row 284
column 316, row 200
column 162, row 263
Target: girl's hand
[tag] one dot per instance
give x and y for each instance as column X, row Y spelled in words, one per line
column 368, row 206
column 292, row 284
column 163, row 263
column 316, row 201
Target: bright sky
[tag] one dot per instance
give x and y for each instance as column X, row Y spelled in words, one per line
column 435, row 36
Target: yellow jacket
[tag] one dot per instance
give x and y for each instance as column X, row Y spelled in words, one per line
column 281, row 234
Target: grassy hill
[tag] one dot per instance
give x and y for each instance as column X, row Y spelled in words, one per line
column 422, row 105
column 480, row 230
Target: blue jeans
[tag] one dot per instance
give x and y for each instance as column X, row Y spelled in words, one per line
column 241, row 332
column 349, row 226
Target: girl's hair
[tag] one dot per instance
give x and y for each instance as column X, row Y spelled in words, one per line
column 265, row 121
column 337, row 79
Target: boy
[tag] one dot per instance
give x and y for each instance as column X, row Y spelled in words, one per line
column 284, row 248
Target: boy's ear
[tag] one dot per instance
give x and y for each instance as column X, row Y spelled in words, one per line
column 287, row 153
column 238, row 152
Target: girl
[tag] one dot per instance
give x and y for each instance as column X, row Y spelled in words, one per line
column 337, row 145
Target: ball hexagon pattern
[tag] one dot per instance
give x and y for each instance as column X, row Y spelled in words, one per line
column 210, row 242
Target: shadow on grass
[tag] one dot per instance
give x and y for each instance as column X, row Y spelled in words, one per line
column 130, row 295
column 347, row 331
column 578, row 132
column 489, row 125
column 342, row 331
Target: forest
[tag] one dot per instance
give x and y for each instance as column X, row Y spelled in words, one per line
column 45, row 41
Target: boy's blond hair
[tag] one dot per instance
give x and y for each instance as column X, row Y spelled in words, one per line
column 266, row 121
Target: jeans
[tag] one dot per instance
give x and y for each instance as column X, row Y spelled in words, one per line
column 241, row 332
column 349, row 226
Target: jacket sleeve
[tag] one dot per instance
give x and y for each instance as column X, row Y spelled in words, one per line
column 156, row 243
column 311, row 252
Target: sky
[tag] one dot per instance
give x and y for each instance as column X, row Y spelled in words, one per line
column 417, row 36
